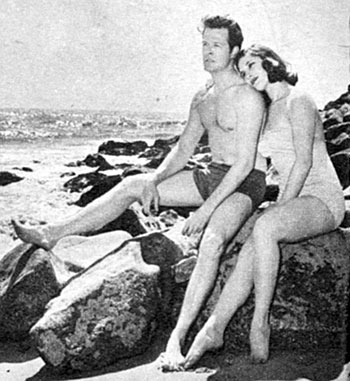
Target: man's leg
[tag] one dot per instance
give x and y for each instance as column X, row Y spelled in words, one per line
column 178, row 190
column 223, row 225
column 236, row 291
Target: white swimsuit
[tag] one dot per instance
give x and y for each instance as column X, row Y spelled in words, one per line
column 322, row 181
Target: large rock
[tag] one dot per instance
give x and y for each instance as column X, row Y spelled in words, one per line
column 310, row 304
column 29, row 279
column 106, row 313
column 111, row 309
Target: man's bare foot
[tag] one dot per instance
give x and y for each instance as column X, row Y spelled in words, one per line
column 259, row 344
column 172, row 359
column 38, row 235
column 206, row 340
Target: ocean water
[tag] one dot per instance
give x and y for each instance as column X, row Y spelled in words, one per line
column 35, row 125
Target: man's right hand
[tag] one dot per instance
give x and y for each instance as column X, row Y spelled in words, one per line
column 150, row 195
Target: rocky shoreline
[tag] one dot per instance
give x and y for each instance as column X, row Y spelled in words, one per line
column 86, row 315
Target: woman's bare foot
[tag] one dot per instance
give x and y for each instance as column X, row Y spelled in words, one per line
column 259, row 344
column 40, row 236
column 172, row 359
column 207, row 339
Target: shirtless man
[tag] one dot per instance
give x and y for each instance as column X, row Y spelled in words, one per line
column 226, row 194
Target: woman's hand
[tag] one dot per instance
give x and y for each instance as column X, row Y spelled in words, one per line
column 196, row 222
column 150, row 195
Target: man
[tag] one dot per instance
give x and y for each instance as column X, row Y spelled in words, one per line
column 231, row 112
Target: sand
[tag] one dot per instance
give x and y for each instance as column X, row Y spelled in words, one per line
column 18, row 363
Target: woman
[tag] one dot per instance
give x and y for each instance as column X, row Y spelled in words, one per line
column 310, row 202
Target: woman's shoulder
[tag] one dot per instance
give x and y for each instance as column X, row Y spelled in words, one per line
column 301, row 107
column 300, row 99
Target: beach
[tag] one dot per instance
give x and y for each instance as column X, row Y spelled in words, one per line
column 46, row 163
column 43, row 147
column 18, row 363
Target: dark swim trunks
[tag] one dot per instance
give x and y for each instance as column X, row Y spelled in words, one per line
column 207, row 180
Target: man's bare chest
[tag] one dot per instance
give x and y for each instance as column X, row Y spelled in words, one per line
column 216, row 115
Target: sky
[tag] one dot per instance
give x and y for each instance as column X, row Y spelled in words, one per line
column 145, row 55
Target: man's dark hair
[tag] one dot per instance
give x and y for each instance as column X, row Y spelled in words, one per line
column 235, row 35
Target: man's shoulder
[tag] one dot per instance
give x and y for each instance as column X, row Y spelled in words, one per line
column 245, row 94
column 201, row 93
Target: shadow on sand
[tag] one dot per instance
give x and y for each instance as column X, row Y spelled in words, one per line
column 323, row 365
column 17, row 352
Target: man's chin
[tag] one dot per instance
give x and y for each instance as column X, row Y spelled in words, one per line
column 209, row 68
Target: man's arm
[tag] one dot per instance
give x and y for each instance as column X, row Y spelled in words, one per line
column 247, row 121
column 176, row 160
column 179, row 155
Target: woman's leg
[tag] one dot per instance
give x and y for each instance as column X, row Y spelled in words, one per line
column 179, row 189
column 297, row 219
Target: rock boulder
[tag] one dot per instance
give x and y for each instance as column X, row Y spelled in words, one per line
column 29, row 279
column 106, row 313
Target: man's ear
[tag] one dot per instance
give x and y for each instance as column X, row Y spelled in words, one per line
column 234, row 52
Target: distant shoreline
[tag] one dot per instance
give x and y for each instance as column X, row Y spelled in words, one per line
column 31, row 125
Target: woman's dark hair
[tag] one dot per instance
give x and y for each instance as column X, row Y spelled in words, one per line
column 235, row 35
column 276, row 68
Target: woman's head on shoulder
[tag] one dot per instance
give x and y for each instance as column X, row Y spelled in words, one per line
column 276, row 68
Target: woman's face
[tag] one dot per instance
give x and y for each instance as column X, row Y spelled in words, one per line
column 250, row 68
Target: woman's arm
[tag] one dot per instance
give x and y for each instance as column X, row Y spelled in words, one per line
column 301, row 113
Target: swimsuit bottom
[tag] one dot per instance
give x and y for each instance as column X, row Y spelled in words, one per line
column 254, row 185
column 331, row 195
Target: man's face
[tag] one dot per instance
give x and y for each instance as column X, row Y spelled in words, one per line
column 215, row 49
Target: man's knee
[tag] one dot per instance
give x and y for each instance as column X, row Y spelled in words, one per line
column 131, row 186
